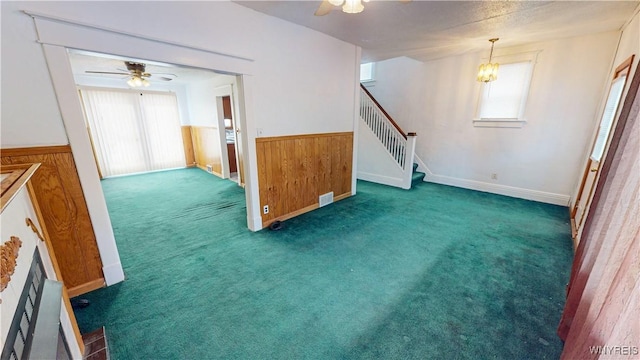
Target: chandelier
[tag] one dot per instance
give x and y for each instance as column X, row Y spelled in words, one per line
column 489, row 71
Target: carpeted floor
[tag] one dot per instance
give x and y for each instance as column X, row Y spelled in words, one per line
column 435, row 272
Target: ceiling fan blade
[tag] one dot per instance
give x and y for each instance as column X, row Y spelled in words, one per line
column 164, row 78
column 324, row 8
column 106, row 72
column 166, row 74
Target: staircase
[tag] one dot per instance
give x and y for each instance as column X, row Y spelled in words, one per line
column 417, row 177
column 385, row 152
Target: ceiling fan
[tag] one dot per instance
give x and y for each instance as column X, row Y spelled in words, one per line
column 136, row 74
column 348, row 6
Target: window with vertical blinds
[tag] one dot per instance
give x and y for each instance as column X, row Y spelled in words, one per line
column 134, row 132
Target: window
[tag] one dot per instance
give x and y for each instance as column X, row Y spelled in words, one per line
column 502, row 102
column 367, row 72
column 615, row 93
column 134, row 131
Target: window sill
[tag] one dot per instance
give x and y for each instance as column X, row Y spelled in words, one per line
column 368, row 83
column 499, row 123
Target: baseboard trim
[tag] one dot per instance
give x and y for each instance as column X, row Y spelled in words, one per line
column 85, row 288
column 528, row 194
column 380, row 179
column 299, row 212
column 204, row 168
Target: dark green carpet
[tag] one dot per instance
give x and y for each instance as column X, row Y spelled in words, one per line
column 435, row 272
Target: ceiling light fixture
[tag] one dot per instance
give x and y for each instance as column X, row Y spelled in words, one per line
column 489, row 71
column 349, row 6
column 137, row 81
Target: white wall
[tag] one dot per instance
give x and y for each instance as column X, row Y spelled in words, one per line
column 539, row 161
column 202, row 100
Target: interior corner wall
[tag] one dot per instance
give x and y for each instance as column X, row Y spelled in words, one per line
column 541, row 160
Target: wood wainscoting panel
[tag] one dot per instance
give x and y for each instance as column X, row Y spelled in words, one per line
column 64, row 213
column 187, row 141
column 207, row 149
column 293, row 171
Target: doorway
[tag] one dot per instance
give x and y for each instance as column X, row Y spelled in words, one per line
column 230, row 137
column 600, row 144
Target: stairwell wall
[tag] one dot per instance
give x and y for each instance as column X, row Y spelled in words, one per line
column 539, row 161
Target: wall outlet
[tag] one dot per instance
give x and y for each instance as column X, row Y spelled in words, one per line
column 209, row 168
column 494, row 176
column 265, row 209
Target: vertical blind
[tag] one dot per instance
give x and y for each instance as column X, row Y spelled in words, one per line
column 134, row 132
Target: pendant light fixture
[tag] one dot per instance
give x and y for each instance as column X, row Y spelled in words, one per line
column 489, row 71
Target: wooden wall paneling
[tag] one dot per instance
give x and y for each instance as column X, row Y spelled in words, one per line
column 293, row 171
column 83, row 230
column 323, row 156
column 187, row 141
column 65, row 215
column 57, row 216
column 288, row 173
column 276, row 179
column 263, row 193
column 206, row 143
column 347, row 163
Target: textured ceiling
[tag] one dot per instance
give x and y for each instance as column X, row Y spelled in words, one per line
column 426, row 30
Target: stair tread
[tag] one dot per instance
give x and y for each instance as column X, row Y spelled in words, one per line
column 416, row 178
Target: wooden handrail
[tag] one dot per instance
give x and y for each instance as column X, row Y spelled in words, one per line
column 384, row 112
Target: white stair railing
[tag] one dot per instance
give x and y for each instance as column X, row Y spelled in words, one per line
column 400, row 146
column 393, row 140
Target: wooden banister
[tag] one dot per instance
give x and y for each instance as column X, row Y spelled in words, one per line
column 384, row 112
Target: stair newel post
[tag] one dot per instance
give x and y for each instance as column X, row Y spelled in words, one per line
column 408, row 160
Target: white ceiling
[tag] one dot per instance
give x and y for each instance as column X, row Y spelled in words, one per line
column 427, row 30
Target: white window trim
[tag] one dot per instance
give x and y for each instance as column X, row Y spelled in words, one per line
column 521, row 120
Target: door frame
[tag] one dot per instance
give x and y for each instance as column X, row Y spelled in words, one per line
column 56, row 35
column 220, row 92
column 624, row 69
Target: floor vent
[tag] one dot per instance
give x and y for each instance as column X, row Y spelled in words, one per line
column 326, row 199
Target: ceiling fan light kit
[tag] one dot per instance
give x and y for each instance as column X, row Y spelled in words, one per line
column 136, row 75
column 352, row 6
column 137, row 81
column 489, row 71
